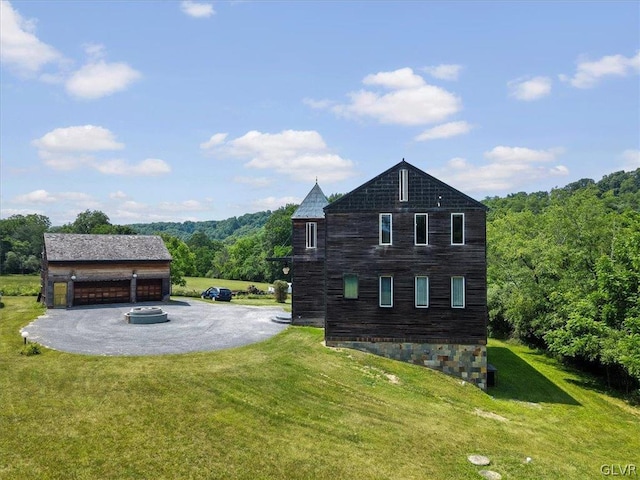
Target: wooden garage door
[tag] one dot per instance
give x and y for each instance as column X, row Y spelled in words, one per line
column 91, row 293
column 149, row 290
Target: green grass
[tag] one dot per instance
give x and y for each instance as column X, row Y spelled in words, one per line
column 201, row 283
column 20, row 284
column 196, row 285
column 289, row 408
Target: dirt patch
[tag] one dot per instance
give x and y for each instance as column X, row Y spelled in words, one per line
column 491, row 415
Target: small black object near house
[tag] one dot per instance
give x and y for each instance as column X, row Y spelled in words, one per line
column 83, row 269
column 401, row 261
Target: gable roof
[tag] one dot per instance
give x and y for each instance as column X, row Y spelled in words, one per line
column 71, row 247
column 313, row 204
column 425, row 192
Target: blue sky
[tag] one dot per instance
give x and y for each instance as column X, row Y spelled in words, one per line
column 194, row 110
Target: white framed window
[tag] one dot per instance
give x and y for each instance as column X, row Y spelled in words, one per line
column 350, row 286
column 457, row 229
column 386, row 229
column 457, row 292
column 422, row 291
column 421, row 229
column 312, row 234
column 386, row 291
column 404, row 185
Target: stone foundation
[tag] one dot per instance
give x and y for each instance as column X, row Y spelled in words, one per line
column 468, row 362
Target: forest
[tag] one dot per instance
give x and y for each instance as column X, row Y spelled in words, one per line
column 564, row 273
column 563, row 266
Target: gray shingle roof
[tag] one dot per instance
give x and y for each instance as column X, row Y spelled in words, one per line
column 313, row 204
column 71, row 247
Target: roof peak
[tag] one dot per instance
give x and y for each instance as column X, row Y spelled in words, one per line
column 313, row 204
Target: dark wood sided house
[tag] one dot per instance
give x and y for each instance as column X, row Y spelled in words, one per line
column 83, row 269
column 402, row 264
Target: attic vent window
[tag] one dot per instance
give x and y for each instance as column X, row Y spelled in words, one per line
column 404, row 185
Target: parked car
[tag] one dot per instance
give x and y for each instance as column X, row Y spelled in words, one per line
column 218, row 294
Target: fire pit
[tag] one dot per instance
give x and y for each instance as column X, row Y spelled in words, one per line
column 146, row 315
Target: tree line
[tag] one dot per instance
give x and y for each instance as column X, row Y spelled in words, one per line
column 564, row 273
column 238, row 258
column 233, row 227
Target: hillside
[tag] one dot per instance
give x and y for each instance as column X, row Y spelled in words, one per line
column 622, row 189
column 290, row 408
column 234, row 227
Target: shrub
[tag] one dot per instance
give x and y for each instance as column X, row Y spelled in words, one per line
column 185, row 292
column 280, row 288
column 31, row 349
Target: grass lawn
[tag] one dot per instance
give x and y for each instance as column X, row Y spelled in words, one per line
column 201, row 283
column 196, row 285
column 20, row 284
column 289, row 408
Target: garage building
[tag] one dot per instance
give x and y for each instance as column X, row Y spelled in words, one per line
column 97, row 269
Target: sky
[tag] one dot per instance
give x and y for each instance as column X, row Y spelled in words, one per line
column 199, row 110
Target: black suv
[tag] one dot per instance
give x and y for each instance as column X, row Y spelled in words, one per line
column 217, row 293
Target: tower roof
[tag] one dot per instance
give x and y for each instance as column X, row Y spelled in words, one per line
column 313, row 204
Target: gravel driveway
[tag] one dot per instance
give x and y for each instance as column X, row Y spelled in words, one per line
column 193, row 326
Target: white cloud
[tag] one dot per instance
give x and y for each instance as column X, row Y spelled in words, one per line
column 396, row 80
column 74, row 147
column 631, row 159
column 446, row 130
column 529, row 89
column 444, row 71
column 98, row 79
column 588, row 73
column 273, row 203
column 69, row 148
column 214, row 141
column 132, row 205
column 508, row 168
column 20, row 48
column 302, row 155
column 197, row 9
column 318, row 104
column 502, row 154
column 119, row 195
column 148, row 167
column 411, row 100
column 43, row 196
column 75, row 139
column 64, row 161
column 37, row 196
column 9, row 212
column 95, row 51
column 132, row 211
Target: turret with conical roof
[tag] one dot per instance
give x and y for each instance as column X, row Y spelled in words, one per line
column 307, row 275
column 313, row 204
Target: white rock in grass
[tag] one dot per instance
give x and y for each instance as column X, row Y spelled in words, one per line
column 479, row 460
column 490, row 475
